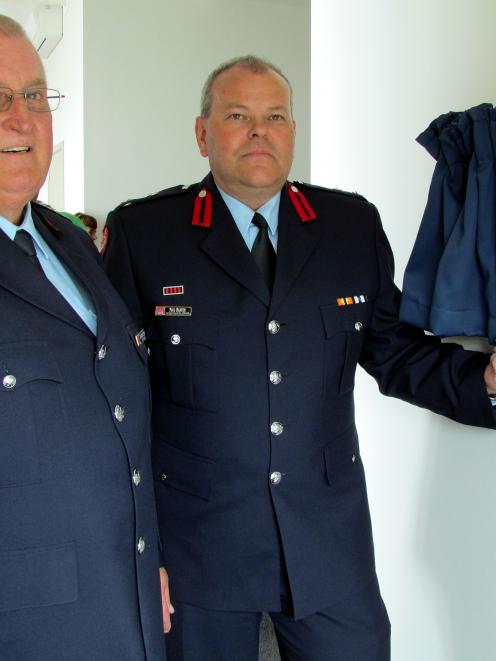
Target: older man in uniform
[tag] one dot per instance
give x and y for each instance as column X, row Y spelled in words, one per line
column 79, row 562
column 260, row 486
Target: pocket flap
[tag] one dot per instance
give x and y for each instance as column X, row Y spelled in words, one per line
column 184, row 471
column 42, row 576
column 341, row 454
column 184, row 331
column 28, row 361
column 341, row 319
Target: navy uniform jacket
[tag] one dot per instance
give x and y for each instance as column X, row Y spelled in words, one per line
column 73, row 584
column 253, row 414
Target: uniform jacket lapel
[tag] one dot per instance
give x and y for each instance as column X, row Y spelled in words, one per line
column 225, row 245
column 296, row 242
column 27, row 284
column 87, row 271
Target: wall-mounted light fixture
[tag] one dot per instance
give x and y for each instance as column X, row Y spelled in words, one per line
column 49, row 27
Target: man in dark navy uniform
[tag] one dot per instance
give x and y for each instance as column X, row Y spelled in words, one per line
column 259, row 297
column 79, row 561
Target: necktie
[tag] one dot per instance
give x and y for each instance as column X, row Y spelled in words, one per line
column 263, row 250
column 25, row 241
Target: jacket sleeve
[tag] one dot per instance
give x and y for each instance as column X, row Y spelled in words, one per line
column 418, row 368
column 117, row 264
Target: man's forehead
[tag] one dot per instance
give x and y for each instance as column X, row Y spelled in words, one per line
column 23, row 59
column 231, row 81
column 239, row 71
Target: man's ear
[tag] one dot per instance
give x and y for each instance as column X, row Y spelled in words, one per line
column 201, row 131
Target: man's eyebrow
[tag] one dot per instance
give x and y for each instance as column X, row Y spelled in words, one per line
column 38, row 82
column 241, row 106
column 232, row 104
column 35, row 82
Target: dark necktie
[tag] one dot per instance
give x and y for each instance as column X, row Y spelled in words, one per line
column 263, row 250
column 25, row 241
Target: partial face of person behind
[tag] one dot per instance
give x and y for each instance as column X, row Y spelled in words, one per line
column 249, row 134
column 23, row 171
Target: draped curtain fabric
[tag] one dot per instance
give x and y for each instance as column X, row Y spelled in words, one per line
column 449, row 286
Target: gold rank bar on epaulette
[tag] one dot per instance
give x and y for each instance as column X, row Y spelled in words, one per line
column 351, row 300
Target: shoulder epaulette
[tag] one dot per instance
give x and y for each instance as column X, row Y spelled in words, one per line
column 48, row 215
column 337, row 191
column 43, row 205
column 167, row 192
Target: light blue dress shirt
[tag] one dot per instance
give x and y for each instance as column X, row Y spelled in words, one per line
column 60, row 276
column 243, row 216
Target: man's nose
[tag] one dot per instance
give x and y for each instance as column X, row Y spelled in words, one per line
column 17, row 117
column 258, row 128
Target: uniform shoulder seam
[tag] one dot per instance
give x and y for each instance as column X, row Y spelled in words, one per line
column 167, row 192
column 336, row 191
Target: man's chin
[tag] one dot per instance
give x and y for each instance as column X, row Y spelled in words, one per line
column 21, row 191
column 264, row 180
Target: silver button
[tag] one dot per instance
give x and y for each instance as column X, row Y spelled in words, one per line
column 176, row 339
column 163, row 477
column 136, row 477
column 9, row 381
column 275, row 477
column 275, row 377
column 119, row 412
column 294, row 189
column 358, row 326
column 102, row 352
column 277, row 428
column 141, row 546
column 202, row 193
column 274, row 327
column 353, row 459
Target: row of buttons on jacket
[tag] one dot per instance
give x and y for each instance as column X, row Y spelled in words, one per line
column 275, row 377
column 119, row 414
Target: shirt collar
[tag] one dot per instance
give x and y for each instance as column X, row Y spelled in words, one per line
column 243, row 214
column 9, row 227
column 28, row 225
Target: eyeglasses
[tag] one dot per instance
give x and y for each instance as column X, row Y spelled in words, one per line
column 38, row 99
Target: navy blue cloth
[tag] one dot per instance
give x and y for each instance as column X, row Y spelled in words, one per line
column 449, row 286
column 73, row 584
column 256, row 453
column 56, row 271
column 355, row 629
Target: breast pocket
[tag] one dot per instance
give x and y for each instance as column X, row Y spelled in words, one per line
column 30, row 408
column 187, row 352
column 344, row 329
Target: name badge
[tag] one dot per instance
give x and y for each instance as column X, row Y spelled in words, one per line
column 173, row 311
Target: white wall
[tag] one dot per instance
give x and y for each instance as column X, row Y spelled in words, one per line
column 64, row 69
column 381, row 71
column 145, row 64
